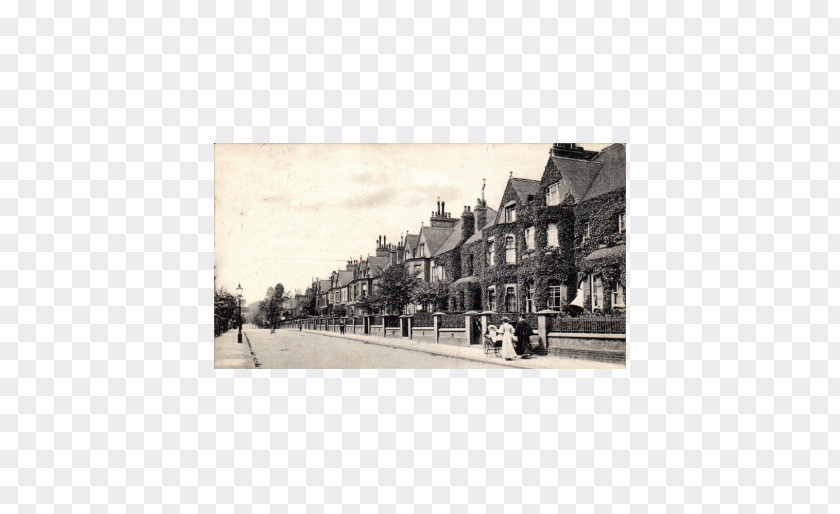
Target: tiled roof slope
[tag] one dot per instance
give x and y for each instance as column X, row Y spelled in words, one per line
column 577, row 174
column 613, row 172
column 525, row 187
column 434, row 237
column 377, row 264
column 452, row 241
column 344, row 278
column 411, row 241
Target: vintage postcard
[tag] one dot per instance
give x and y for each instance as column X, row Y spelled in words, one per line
column 420, row 256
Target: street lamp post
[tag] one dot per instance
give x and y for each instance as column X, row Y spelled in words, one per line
column 239, row 296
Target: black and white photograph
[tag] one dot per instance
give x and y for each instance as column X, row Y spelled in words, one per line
column 359, row 256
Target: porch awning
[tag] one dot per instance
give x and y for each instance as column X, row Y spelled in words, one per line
column 606, row 252
column 472, row 279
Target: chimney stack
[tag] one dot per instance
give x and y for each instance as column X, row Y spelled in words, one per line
column 467, row 224
column 481, row 209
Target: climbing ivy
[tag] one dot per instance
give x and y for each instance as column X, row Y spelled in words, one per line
column 602, row 215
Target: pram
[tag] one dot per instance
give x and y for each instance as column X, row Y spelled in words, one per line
column 492, row 342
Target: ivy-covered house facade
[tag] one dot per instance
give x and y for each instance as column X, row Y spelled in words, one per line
column 448, row 265
column 552, row 242
column 594, row 186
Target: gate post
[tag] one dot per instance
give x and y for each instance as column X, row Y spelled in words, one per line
column 542, row 325
column 485, row 320
column 469, row 316
column 436, row 317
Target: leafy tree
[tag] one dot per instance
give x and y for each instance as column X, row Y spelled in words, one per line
column 226, row 311
column 434, row 294
column 272, row 306
column 310, row 305
column 340, row 310
column 256, row 316
column 396, row 287
column 372, row 303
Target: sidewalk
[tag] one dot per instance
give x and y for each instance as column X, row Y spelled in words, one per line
column 227, row 353
column 473, row 353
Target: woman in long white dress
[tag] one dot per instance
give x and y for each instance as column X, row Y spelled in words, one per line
column 506, row 330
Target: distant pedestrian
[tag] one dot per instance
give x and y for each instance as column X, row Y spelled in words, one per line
column 300, row 326
column 341, row 327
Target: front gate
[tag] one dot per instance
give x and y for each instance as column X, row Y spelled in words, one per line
column 476, row 330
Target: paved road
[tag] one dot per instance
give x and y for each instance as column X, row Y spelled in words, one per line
column 293, row 350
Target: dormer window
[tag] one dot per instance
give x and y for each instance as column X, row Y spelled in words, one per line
column 552, row 194
column 510, row 213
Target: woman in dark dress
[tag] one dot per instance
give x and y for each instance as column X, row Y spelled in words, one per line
column 523, row 337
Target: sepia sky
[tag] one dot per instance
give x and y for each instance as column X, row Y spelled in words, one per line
column 290, row 213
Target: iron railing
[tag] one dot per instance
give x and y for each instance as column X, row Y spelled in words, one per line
column 423, row 319
column 590, row 325
column 452, row 321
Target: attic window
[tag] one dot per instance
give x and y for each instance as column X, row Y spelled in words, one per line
column 530, row 198
column 552, row 195
column 510, row 213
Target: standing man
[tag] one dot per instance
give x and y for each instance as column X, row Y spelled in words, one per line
column 523, row 337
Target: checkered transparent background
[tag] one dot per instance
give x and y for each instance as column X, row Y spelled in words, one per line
column 109, row 401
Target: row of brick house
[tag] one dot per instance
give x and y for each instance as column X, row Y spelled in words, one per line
column 550, row 244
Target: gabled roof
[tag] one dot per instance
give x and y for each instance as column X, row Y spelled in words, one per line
column 613, row 172
column 577, row 174
column 411, row 241
column 523, row 187
column 324, row 285
column 362, row 269
column 434, row 238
